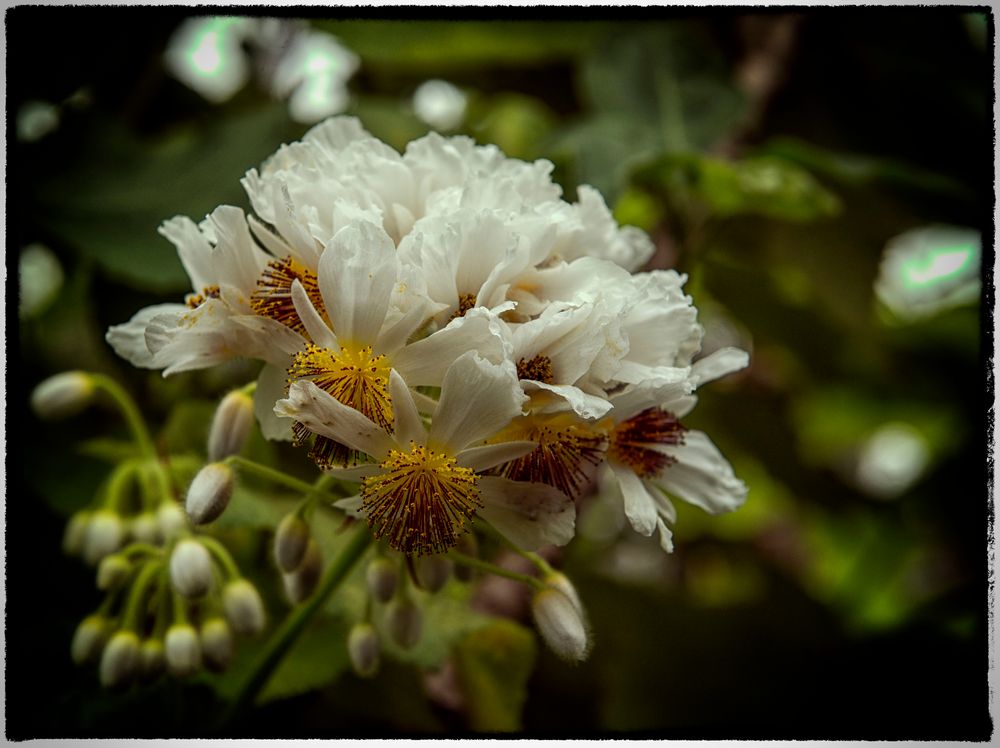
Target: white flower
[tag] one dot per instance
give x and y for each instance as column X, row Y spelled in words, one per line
column 440, row 104
column 314, row 70
column 425, row 486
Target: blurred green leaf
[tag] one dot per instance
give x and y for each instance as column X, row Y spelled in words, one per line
column 318, row 657
column 389, row 119
column 186, row 429
column 517, row 124
column 494, row 664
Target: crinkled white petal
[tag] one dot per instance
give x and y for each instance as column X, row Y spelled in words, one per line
column 640, row 505
column 671, row 386
column 129, row 339
column 702, row 476
column 530, row 515
column 718, row 364
column 491, row 455
column 583, row 404
column 193, row 249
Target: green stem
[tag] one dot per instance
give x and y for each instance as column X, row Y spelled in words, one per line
column 278, row 477
column 136, row 548
column 133, row 608
column 118, row 485
column 477, row 563
column 293, row 625
column 131, row 412
column 221, row 555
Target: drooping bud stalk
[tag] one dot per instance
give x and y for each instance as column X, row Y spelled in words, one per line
column 89, row 639
column 382, row 577
column 113, row 572
column 209, row 493
column 433, row 572
column 120, row 659
column 190, row 568
column 62, row 395
column 231, row 425
column 75, row 535
column 145, row 528
column 105, row 533
column 182, row 649
column 560, row 618
column 405, row 622
column 243, row 607
column 301, row 583
column 152, row 659
column 290, row 542
column 171, row 520
column 216, row 643
column 363, row 648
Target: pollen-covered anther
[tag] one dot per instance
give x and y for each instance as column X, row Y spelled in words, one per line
column 538, row 369
column 420, row 501
column 195, row 300
column 565, row 449
column 273, row 297
column 632, row 442
column 466, row 301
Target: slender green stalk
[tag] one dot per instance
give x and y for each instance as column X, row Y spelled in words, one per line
column 221, row 555
column 486, row 566
column 118, row 485
column 279, row 477
column 131, row 412
column 137, row 596
column 284, row 637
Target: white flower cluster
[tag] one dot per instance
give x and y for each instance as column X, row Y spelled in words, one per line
column 442, row 327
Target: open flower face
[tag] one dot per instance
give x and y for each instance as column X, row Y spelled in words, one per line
column 424, row 485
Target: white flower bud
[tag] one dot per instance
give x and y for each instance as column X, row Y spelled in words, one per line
column 63, row 395
column 171, row 520
column 145, row 528
column 290, row 542
column 405, row 622
column 231, row 425
column 120, row 660
column 112, row 572
column 190, row 568
column 105, row 533
column 243, row 607
column 209, row 493
column 363, row 648
column 561, row 582
column 382, row 576
column 75, row 535
column 216, row 643
column 152, row 659
column 301, row 583
column 183, row 652
column 560, row 620
column 433, row 572
column 89, row 639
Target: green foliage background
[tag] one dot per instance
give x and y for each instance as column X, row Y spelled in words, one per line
column 816, row 611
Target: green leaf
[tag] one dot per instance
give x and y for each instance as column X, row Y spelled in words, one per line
column 317, row 658
column 494, row 664
column 515, row 123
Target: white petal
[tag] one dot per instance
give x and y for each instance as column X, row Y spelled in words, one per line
column 318, row 331
column 584, row 405
column 477, row 400
column 236, row 257
column 270, row 389
column 407, row 424
column 193, row 248
column 129, row 338
column 267, row 339
column 323, row 414
column 702, row 476
column 669, row 389
column 640, row 506
column 395, row 335
column 354, row 474
column 357, row 273
column 351, row 505
column 718, row 364
column 530, row 515
column 491, row 455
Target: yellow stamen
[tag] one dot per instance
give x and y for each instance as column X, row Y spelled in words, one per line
column 538, row 369
column 273, row 297
column 196, row 300
column 629, row 442
column 566, row 445
column 466, row 301
column 421, row 500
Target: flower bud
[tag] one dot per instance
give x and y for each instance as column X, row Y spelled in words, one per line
column 145, row 528
column 105, row 533
column 62, row 395
column 209, row 493
column 120, row 660
column 300, row 584
column 190, row 568
column 216, row 643
column 231, row 425
column 152, row 659
column 113, row 572
column 363, row 649
column 243, row 607
column 560, row 620
column 182, row 649
column 89, row 639
column 382, row 577
column 75, row 535
column 290, row 542
column 433, row 572
column 170, row 520
column 404, row 621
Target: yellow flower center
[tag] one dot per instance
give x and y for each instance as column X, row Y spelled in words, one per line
column 421, row 500
column 196, row 300
column 538, row 369
column 466, row 301
column 273, row 297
